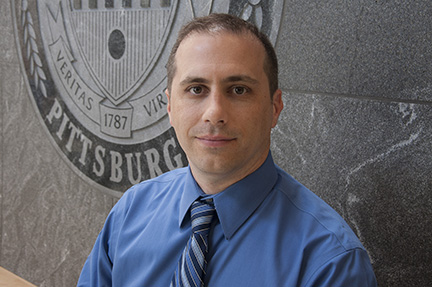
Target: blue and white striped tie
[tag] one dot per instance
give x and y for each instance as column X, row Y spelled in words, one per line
column 192, row 264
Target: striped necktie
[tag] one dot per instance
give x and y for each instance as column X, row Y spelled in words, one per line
column 192, row 264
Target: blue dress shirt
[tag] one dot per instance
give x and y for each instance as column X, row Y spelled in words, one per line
column 269, row 231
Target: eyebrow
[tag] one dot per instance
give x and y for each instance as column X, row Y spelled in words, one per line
column 240, row 78
column 230, row 79
column 190, row 80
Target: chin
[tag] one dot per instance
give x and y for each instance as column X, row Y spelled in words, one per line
column 212, row 165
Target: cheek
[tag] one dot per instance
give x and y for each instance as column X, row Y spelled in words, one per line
column 260, row 116
column 182, row 120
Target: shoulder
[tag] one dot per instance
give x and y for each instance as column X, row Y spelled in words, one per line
column 152, row 191
column 163, row 182
column 326, row 241
column 314, row 213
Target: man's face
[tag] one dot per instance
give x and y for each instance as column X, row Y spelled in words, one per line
column 220, row 105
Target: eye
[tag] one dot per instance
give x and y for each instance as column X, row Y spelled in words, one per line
column 196, row 90
column 239, row 90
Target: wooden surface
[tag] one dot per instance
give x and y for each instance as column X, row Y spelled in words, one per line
column 9, row 279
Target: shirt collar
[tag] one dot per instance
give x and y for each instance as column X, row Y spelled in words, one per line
column 235, row 204
column 191, row 192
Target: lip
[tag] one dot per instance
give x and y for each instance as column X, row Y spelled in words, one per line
column 215, row 140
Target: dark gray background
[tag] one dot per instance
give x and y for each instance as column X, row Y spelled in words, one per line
column 356, row 130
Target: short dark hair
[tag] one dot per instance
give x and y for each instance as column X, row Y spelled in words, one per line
column 216, row 23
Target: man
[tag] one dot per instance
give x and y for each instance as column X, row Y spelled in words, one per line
column 262, row 227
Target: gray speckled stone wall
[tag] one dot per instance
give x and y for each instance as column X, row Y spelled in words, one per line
column 49, row 216
column 357, row 127
column 356, row 130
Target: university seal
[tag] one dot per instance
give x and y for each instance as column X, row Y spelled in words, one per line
column 96, row 74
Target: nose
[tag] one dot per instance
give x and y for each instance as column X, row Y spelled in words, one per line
column 216, row 108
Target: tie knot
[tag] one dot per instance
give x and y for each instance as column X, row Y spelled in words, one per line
column 201, row 214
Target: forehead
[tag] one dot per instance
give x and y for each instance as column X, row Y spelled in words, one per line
column 226, row 37
column 221, row 47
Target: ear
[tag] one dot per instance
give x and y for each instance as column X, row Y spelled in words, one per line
column 277, row 106
column 168, row 105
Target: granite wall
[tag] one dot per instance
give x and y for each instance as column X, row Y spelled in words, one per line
column 356, row 130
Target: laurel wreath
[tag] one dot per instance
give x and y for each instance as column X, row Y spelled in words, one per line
column 248, row 9
column 32, row 50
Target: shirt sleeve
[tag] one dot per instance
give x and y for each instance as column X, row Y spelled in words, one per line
column 97, row 270
column 98, row 266
column 351, row 268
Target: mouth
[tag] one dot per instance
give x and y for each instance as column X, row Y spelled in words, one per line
column 215, row 140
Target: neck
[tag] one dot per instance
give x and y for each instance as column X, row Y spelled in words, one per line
column 213, row 183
